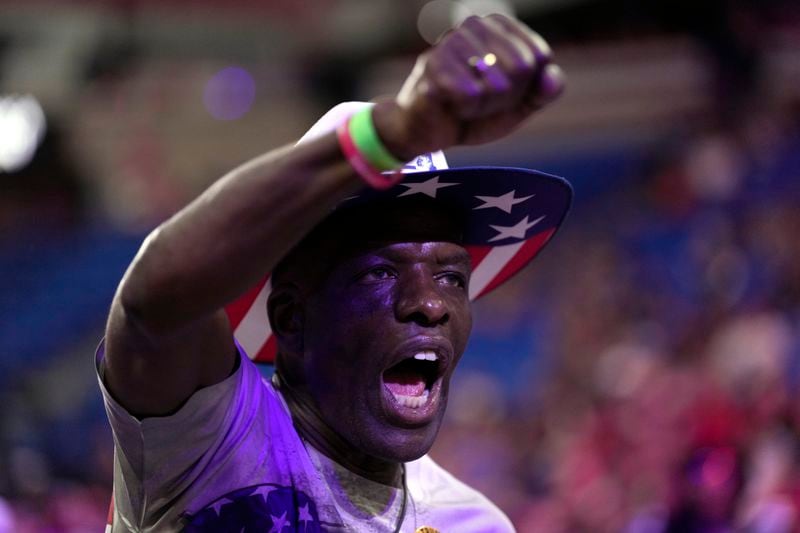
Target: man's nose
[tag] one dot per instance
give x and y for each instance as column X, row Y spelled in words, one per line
column 419, row 300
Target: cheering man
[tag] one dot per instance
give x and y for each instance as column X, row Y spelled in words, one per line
column 370, row 266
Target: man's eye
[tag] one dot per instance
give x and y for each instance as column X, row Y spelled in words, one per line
column 453, row 279
column 377, row 274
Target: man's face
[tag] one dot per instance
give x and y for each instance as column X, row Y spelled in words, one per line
column 382, row 335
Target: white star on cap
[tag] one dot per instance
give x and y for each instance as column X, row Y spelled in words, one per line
column 503, row 202
column 278, row 523
column 428, row 187
column 516, row 231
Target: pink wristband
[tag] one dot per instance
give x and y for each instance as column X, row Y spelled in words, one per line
column 370, row 175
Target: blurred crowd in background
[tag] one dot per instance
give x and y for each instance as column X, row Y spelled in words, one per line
column 641, row 377
column 670, row 319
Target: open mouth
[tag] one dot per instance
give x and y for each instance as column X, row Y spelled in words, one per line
column 411, row 379
column 412, row 387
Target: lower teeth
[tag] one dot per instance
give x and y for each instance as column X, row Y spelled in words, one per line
column 413, row 402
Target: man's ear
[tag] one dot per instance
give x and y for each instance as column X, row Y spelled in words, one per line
column 286, row 314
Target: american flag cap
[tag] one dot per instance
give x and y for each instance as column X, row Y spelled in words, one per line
column 510, row 214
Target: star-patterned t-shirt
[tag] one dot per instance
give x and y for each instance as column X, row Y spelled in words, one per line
column 231, row 460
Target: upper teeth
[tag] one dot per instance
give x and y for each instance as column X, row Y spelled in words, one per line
column 426, row 356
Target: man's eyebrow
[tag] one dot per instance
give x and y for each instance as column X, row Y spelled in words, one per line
column 442, row 258
column 461, row 256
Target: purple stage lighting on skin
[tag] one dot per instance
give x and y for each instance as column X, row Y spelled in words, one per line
column 229, row 94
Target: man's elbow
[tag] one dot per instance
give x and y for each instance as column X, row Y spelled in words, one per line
column 143, row 296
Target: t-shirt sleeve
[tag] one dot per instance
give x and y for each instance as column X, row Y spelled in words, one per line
column 159, row 460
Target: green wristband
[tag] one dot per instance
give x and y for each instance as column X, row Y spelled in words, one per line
column 366, row 139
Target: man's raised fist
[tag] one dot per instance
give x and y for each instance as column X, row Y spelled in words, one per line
column 479, row 82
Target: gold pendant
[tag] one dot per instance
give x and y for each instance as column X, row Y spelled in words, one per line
column 426, row 529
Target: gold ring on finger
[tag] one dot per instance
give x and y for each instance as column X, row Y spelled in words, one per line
column 482, row 64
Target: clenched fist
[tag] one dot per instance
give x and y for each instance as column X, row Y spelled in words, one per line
column 477, row 84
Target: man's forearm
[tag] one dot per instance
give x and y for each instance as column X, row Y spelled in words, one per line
column 222, row 243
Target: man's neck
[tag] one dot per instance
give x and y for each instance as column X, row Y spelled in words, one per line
column 309, row 424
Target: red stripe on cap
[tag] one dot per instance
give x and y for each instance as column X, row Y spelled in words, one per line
column 477, row 254
column 237, row 309
column 525, row 255
column 268, row 351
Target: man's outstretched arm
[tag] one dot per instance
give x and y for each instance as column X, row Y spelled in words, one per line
column 167, row 334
